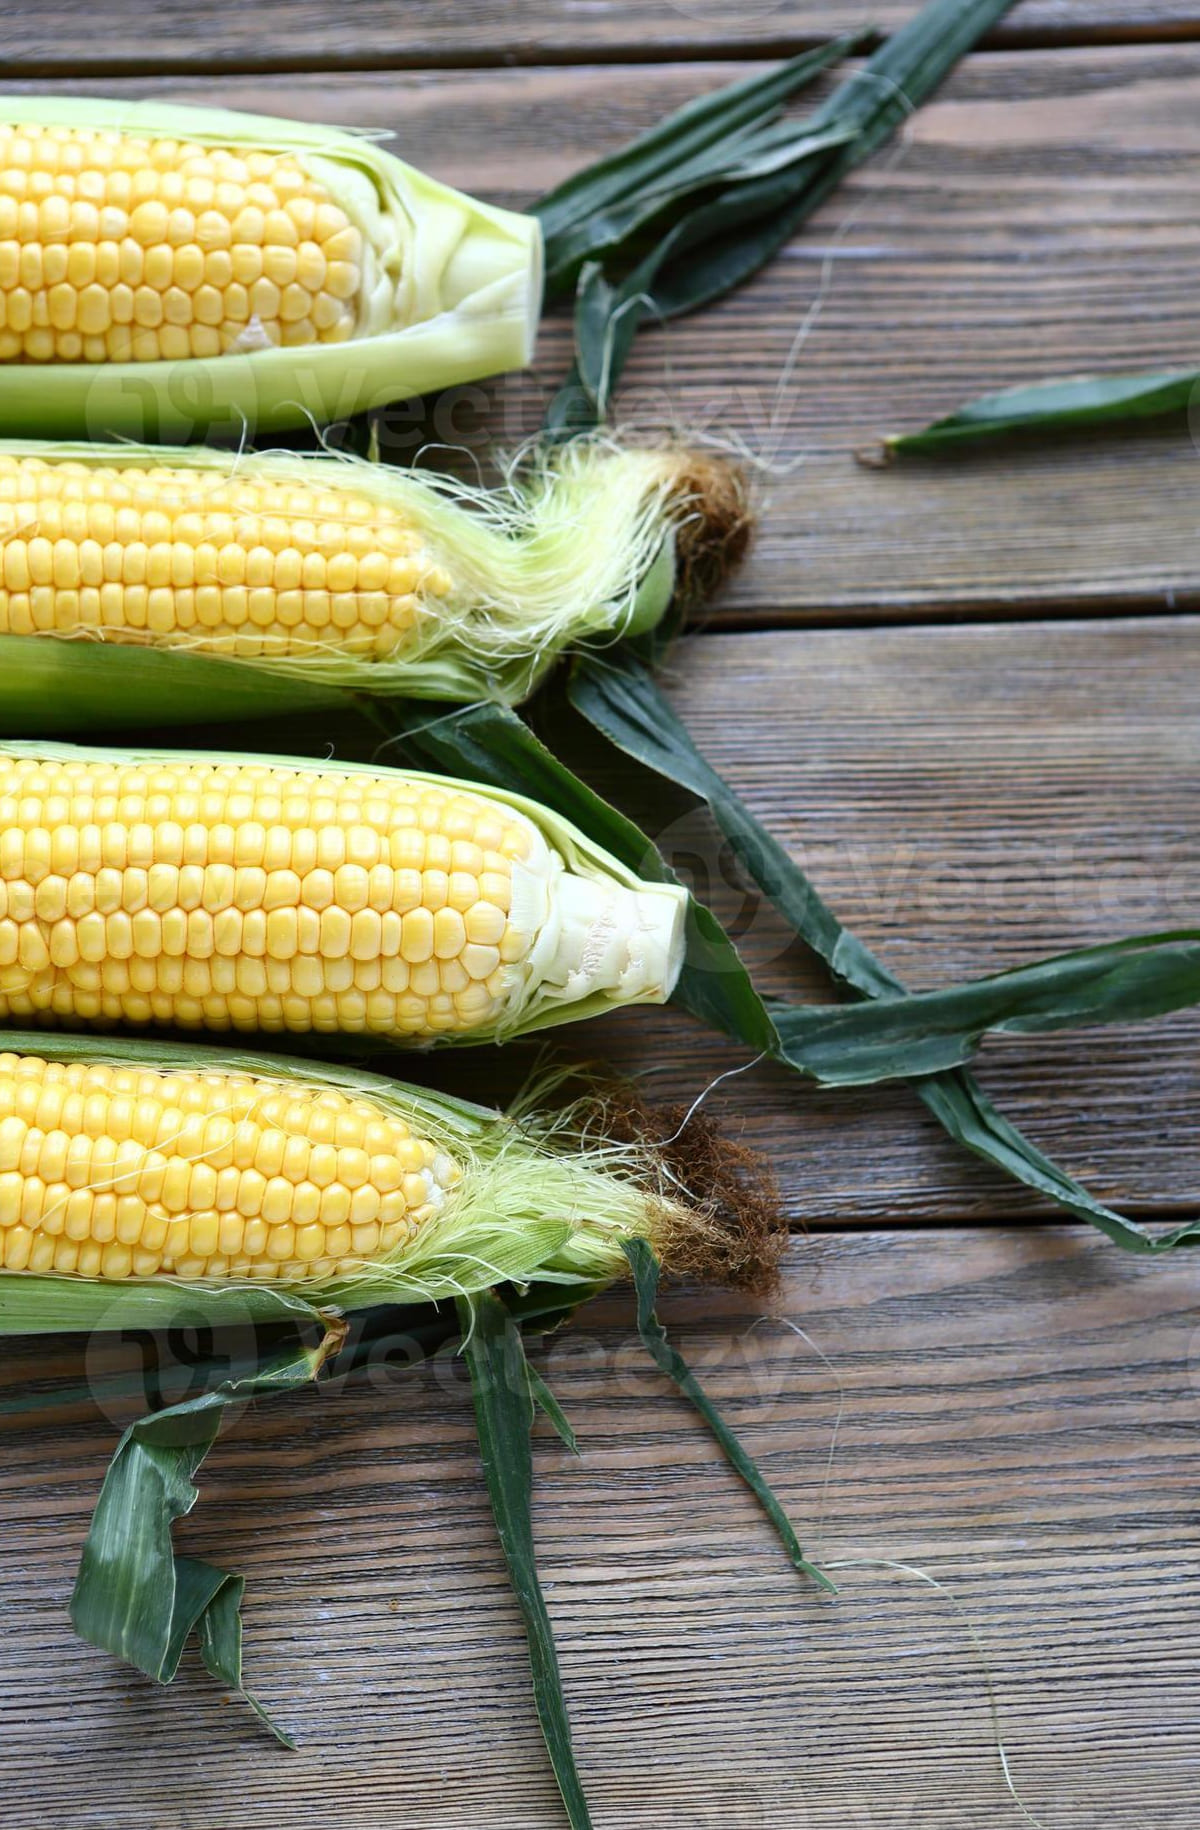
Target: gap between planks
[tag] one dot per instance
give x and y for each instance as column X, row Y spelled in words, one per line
column 213, row 38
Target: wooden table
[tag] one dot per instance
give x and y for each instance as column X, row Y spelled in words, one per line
column 964, row 695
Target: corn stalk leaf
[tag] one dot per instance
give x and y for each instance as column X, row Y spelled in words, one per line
column 711, row 238
column 907, row 1036
column 669, row 1360
column 1051, row 407
column 133, row 1596
column 501, row 1391
column 622, row 701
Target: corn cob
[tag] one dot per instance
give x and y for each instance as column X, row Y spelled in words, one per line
column 207, row 892
column 320, row 571
column 165, row 267
column 140, row 1179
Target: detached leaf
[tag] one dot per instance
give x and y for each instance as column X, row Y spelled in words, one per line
column 705, row 142
column 669, row 1360
column 620, row 698
column 546, row 1402
column 500, row 1388
column 1054, row 406
column 906, row 1036
column 133, row 1596
column 959, row 1103
column 739, row 199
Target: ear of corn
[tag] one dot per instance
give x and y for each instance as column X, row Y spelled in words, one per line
column 213, row 892
column 165, row 268
column 145, row 1183
column 313, row 576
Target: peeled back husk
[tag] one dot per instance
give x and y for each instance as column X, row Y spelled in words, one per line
column 450, row 293
column 431, row 588
column 542, row 1197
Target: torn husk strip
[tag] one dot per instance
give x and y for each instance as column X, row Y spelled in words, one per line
column 162, row 1154
column 318, row 577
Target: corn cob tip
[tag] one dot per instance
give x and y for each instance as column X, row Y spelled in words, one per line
column 605, row 938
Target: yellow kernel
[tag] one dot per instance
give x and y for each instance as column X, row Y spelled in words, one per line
column 281, row 1241
column 148, row 222
column 335, row 933
column 277, row 1202
column 116, row 1260
column 417, row 935
column 449, row 933
column 335, row 1205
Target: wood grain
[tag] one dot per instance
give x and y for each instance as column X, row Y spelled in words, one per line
column 303, row 34
column 1019, row 1404
column 1019, row 1421
column 1038, row 220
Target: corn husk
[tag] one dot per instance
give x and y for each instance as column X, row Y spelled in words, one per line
column 582, row 544
column 467, row 304
column 537, row 1201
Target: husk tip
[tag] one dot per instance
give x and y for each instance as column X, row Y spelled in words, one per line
column 716, row 1215
column 716, row 525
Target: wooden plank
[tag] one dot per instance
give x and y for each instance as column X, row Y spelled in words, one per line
column 302, row 34
column 968, row 799
column 1039, row 220
column 1019, row 1422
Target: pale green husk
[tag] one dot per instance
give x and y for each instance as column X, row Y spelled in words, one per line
column 536, row 1201
column 579, row 544
column 542, row 1008
column 466, row 304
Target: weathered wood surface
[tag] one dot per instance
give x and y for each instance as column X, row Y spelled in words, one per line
column 304, row 34
column 1019, row 1421
column 1038, row 220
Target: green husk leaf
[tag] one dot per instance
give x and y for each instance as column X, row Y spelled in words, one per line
column 30, row 1304
column 501, row 1392
column 907, row 1036
column 623, row 702
column 705, row 142
column 1053, row 406
column 48, row 686
column 713, row 245
column 548, row 1404
column 669, row 1360
column 133, row 1597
